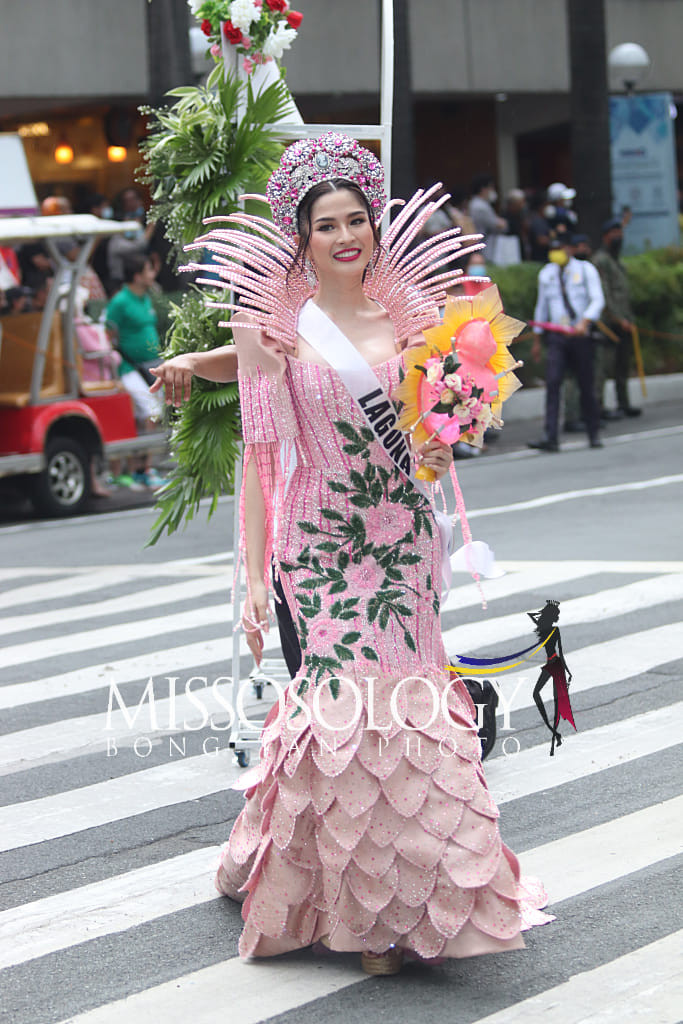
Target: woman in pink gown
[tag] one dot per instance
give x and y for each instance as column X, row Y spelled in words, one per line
column 368, row 824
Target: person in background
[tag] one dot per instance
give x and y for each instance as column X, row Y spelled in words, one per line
column 130, row 206
column 559, row 214
column 517, row 216
column 132, row 314
column 14, row 300
column 99, row 206
column 485, row 219
column 570, row 298
column 476, row 268
column 538, row 230
column 618, row 316
column 53, row 206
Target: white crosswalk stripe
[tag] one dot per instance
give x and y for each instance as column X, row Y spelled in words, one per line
column 57, row 723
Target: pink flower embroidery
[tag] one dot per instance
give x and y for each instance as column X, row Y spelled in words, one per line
column 366, row 577
column 326, row 632
column 385, row 524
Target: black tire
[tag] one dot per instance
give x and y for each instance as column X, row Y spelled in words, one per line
column 243, row 758
column 63, row 487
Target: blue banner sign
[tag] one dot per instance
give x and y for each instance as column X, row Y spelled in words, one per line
column 644, row 168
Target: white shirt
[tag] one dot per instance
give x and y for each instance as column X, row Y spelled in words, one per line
column 583, row 288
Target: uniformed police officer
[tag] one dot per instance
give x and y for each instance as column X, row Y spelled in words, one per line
column 570, row 298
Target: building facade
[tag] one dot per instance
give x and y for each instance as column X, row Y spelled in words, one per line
column 490, row 79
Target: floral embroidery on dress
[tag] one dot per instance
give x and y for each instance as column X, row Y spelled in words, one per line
column 366, row 553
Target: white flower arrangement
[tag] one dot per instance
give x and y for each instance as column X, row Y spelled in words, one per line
column 278, row 41
column 243, row 13
column 259, row 30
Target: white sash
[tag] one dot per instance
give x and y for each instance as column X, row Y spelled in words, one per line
column 323, row 335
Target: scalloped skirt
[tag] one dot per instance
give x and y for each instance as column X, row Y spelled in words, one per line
column 372, row 837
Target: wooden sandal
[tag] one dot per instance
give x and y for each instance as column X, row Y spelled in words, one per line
column 389, row 962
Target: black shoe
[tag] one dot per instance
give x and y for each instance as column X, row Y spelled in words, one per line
column 595, row 442
column 629, row 410
column 544, row 445
column 611, row 414
column 574, row 427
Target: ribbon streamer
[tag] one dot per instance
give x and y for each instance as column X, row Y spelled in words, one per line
column 496, row 665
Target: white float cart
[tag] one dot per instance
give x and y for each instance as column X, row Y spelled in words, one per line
column 243, row 738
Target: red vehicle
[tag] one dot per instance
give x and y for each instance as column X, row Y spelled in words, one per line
column 56, row 418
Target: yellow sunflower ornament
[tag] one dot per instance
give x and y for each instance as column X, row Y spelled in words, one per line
column 456, row 383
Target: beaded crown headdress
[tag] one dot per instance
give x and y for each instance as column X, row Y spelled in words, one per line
column 309, row 161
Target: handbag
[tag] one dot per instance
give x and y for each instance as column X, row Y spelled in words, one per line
column 323, row 335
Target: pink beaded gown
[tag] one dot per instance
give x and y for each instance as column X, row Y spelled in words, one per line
column 367, row 821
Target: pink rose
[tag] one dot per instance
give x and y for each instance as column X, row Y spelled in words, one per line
column 385, row 524
column 248, row 65
column 215, row 50
column 326, row 632
column 246, row 42
column 366, row 577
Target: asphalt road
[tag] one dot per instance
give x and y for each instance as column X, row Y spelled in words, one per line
column 108, row 837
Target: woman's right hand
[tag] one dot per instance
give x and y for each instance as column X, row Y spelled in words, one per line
column 256, row 623
column 175, row 375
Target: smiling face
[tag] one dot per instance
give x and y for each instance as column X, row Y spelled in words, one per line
column 341, row 239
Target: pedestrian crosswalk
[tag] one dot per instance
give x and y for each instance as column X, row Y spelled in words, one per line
column 115, row 771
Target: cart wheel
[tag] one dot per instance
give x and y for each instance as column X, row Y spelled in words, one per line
column 63, row 488
column 243, row 758
column 258, row 690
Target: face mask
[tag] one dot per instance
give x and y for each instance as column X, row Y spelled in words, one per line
column 493, row 195
column 558, row 256
column 107, row 213
column 139, row 214
column 615, row 246
column 477, row 270
column 133, row 235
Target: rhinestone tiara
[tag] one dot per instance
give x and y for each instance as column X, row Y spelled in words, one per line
column 309, row 161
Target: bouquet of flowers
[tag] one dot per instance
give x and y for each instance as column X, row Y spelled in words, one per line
column 455, row 383
column 260, row 30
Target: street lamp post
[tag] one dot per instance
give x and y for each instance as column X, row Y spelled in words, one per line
column 628, row 62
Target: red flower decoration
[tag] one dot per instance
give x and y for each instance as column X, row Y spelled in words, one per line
column 207, row 28
column 277, row 5
column 294, row 19
column 232, row 34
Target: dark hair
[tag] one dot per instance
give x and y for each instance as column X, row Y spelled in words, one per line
column 479, row 182
column 133, row 264
column 545, row 619
column 303, row 213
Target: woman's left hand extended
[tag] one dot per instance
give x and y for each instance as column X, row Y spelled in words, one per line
column 436, row 455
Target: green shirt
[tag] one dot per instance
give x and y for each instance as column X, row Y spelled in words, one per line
column 136, row 320
column 615, row 286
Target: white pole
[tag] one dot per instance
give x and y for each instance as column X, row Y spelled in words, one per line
column 387, row 87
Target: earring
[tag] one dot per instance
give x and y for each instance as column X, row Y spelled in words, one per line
column 311, row 276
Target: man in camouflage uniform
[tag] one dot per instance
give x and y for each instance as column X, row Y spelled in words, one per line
column 617, row 315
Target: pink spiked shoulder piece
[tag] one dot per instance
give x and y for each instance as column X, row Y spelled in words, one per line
column 255, row 258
